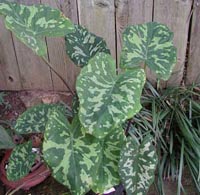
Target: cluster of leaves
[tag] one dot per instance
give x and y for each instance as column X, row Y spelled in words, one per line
column 172, row 117
column 23, row 152
column 90, row 150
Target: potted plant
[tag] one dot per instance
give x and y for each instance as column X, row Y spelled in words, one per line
column 90, row 149
column 31, row 173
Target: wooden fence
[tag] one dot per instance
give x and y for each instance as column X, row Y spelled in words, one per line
column 20, row 69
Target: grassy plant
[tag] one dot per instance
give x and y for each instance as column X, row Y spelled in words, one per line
column 172, row 117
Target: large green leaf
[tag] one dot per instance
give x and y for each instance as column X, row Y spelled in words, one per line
column 72, row 155
column 35, row 118
column 5, row 139
column 31, row 24
column 108, row 171
column 20, row 162
column 149, row 44
column 83, row 45
column 137, row 165
column 107, row 100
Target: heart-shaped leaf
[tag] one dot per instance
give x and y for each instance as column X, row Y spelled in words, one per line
column 137, row 165
column 83, row 45
column 5, row 139
column 106, row 99
column 108, row 171
column 35, row 118
column 20, row 162
column 149, row 44
column 72, row 155
column 31, row 24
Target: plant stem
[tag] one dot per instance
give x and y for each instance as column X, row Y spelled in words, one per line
column 181, row 164
column 128, row 127
column 24, row 184
column 15, row 190
column 58, row 75
column 158, row 84
column 145, row 67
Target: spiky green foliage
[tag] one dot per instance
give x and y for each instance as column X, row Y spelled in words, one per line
column 172, row 117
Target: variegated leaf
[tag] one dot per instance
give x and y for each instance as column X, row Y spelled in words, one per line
column 72, row 155
column 149, row 44
column 75, row 105
column 107, row 100
column 20, row 162
column 34, row 119
column 31, row 24
column 5, row 139
column 108, row 171
column 137, row 165
column 83, row 45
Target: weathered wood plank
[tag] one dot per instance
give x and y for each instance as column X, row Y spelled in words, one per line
column 175, row 14
column 56, row 48
column 99, row 17
column 193, row 69
column 34, row 72
column 9, row 70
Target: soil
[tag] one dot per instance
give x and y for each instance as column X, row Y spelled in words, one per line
column 17, row 102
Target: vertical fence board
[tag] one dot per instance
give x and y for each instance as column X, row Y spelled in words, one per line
column 57, row 51
column 20, row 68
column 9, row 70
column 34, row 72
column 193, row 69
column 175, row 14
column 99, row 17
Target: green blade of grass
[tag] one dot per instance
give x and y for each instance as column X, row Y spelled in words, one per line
column 180, row 168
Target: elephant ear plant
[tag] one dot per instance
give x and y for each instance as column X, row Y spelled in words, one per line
column 90, row 150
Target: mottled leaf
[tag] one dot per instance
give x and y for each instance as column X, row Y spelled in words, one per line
column 75, row 105
column 83, row 45
column 5, row 139
column 107, row 99
column 137, row 165
column 149, row 44
column 31, row 24
column 20, row 162
column 35, row 118
column 108, row 171
column 72, row 155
